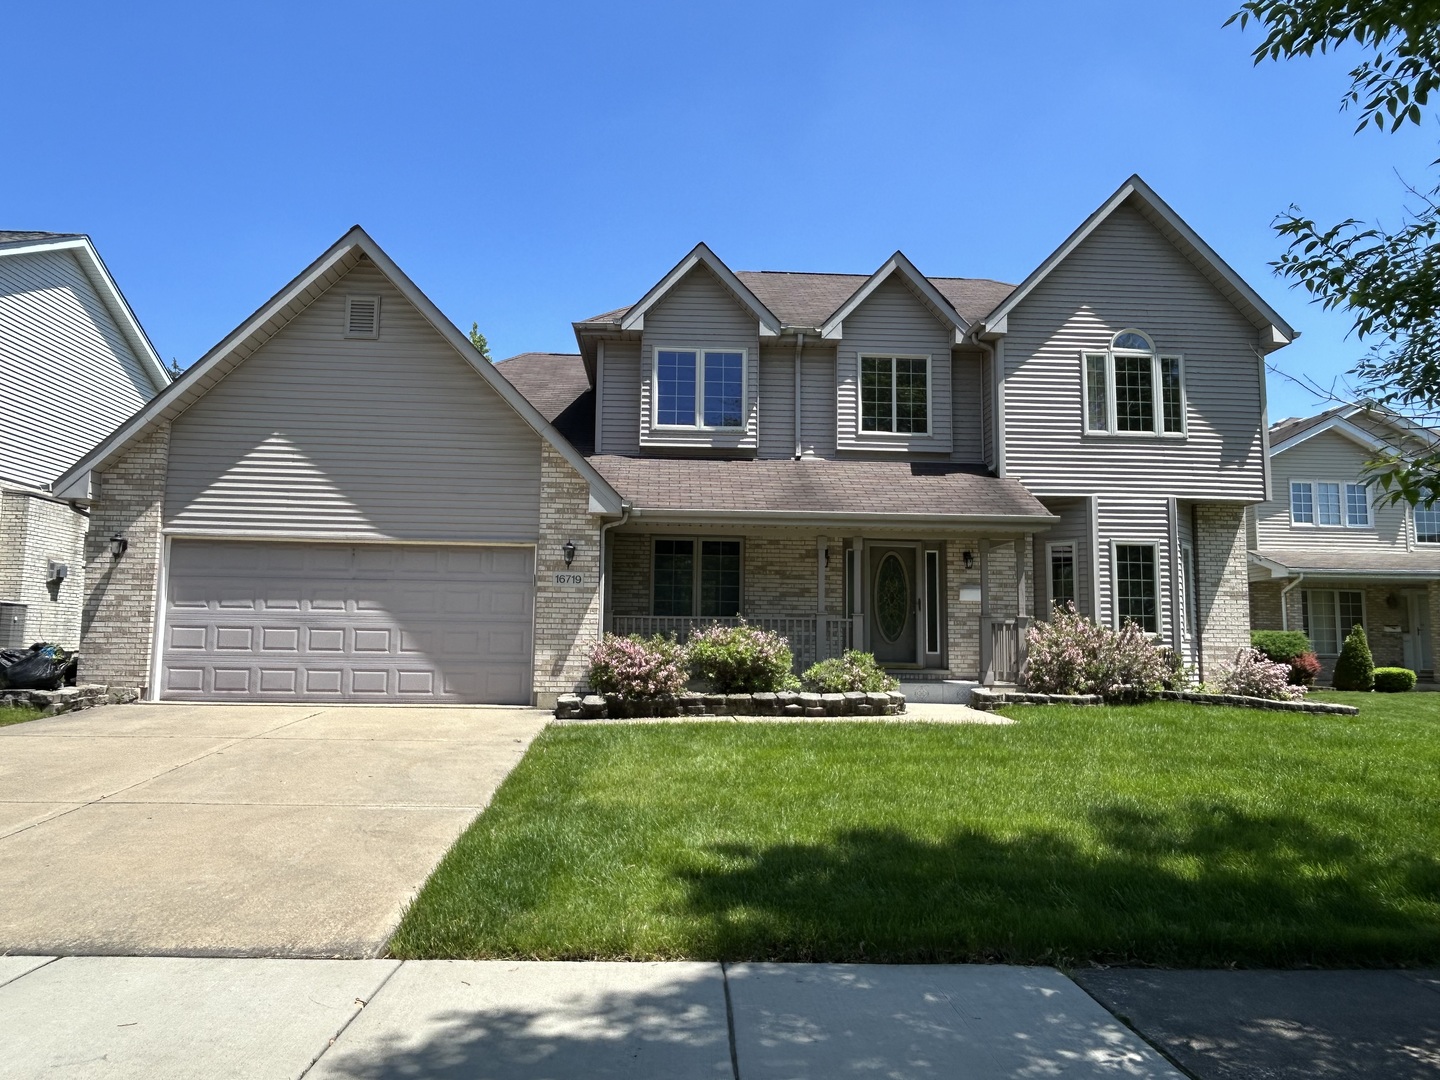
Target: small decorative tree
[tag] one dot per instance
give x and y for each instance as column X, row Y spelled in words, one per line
column 1355, row 670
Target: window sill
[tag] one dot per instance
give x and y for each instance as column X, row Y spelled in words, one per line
column 1137, row 436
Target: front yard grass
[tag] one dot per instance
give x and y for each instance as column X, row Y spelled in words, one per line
column 18, row 715
column 1155, row 834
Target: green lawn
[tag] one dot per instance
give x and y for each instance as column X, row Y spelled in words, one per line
column 18, row 715
column 1160, row 834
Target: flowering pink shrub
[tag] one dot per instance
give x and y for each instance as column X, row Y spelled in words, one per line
column 742, row 659
column 1253, row 674
column 840, row 674
column 1069, row 654
column 638, row 667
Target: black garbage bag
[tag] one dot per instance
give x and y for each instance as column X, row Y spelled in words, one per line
column 42, row 668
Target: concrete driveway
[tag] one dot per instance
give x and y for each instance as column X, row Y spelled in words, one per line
column 264, row 830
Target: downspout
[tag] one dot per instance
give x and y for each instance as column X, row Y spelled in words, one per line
column 799, row 359
column 1199, row 615
column 625, row 508
column 1284, row 605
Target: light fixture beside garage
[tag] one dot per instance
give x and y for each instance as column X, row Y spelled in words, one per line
column 969, row 560
column 118, row 544
column 569, row 550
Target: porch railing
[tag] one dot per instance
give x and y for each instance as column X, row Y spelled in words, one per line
column 1002, row 647
column 811, row 637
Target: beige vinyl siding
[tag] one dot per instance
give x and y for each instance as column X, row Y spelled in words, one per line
column 1127, row 275
column 894, row 321
column 699, row 312
column 817, row 401
column 68, row 377
column 777, row 402
column 1135, row 519
column 987, row 410
column 967, row 393
column 320, row 435
column 1328, row 457
column 1072, row 528
column 620, row 402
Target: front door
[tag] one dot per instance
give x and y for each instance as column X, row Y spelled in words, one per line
column 894, row 601
column 1417, row 638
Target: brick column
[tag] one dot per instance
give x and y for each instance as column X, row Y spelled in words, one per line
column 567, row 620
column 962, row 617
column 117, row 626
column 1223, row 588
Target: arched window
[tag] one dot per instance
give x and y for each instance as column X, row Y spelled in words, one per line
column 1132, row 389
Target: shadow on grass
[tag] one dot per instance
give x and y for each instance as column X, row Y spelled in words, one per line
column 1205, row 884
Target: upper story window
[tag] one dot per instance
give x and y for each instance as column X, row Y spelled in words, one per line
column 701, row 388
column 1130, row 389
column 1427, row 524
column 1330, row 503
column 895, row 394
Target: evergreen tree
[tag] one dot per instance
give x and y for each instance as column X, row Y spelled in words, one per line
column 1355, row 670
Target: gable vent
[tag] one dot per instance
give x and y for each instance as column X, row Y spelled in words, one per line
column 362, row 316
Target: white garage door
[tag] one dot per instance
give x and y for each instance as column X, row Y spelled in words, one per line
column 255, row 621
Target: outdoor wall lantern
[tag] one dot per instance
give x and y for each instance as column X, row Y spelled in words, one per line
column 969, row 560
column 118, row 544
column 569, row 550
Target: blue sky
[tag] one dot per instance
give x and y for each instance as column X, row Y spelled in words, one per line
column 533, row 164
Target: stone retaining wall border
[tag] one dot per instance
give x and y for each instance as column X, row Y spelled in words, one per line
column 784, row 703
column 990, row 700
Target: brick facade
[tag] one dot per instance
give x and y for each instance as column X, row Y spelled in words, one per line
column 117, row 631
column 1223, row 589
column 567, row 620
column 35, row 530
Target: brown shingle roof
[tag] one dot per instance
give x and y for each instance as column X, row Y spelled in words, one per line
column 1370, row 563
column 1295, row 425
column 816, row 486
column 799, row 299
column 556, row 384
column 10, row 236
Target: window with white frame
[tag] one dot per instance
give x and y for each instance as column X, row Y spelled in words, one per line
column 1329, row 615
column 1427, row 524
column 699, row 388
column 895, row 394
column 1187, row 587
column 1136, row 587
column 932, row 602
column 1062, row 575
column 1131, row 389
column 695, row 577
column 1330, row 503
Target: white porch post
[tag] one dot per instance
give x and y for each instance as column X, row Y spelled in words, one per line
column 987, row 637
column 822, row 636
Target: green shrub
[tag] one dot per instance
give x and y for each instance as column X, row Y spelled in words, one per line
column 841, row 674
column 1394, row 680
column 1355, row 670
column 742, row 659
column 1281, row 646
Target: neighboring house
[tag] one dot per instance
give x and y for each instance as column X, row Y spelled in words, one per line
column 344, row 501
column 74, row 364
column 1326, row 553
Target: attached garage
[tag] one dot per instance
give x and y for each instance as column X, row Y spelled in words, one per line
column 262, row 621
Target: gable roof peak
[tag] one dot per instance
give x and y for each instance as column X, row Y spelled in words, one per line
column 898, row 263
column 700, row 254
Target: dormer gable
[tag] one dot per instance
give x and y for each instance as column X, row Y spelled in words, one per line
column 702, row 256
column 901, row 269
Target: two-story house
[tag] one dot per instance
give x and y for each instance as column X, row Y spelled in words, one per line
column 74, row 363
column 1326, row 553
column 343, row 501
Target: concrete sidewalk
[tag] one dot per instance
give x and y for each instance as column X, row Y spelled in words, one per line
column 159, row 1018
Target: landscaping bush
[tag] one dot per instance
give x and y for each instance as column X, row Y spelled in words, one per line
column 1174, row 674
column 1253, row 674
column 1355, row 670
column 854, row 670
column 638, row 667
column 742, row 659
column 1289, row 647
column 1069, row 654
column 1394, row 680
column 1281, row 646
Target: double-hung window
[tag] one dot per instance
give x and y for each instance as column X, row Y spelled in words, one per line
column 1427, row 524
column 1130, row 389
column 696, row 577
column 1062, row 575
column 895, row 394
column 1329, row 503
column 699, row 388
column 1136, row 587
column 1329, row 615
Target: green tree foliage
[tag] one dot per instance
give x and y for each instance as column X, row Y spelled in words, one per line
column 1388, row 279
column 478, row 340
column 1355, row 670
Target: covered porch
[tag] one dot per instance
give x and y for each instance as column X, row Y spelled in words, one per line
column 929, row 603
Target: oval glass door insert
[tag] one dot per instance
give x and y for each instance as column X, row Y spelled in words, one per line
column 892, row 597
